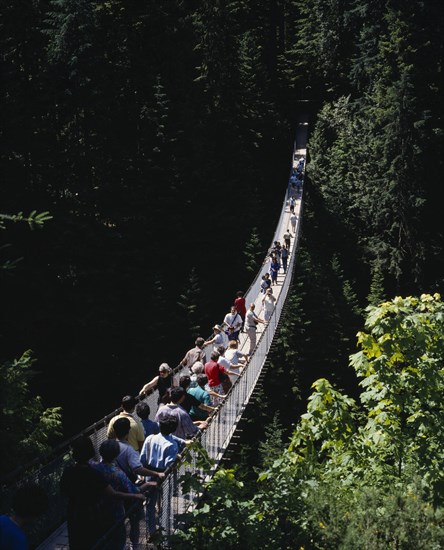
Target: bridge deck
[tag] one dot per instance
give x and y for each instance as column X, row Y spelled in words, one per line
column 222, row 425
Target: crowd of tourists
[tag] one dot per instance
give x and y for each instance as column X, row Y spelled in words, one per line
column 138, row 451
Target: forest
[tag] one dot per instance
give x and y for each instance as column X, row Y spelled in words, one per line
column 145, row 152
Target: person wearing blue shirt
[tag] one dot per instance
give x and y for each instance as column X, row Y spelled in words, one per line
column 274, row 269
column 29, row 502
column 143, row 412
column 160, row 451
column 114, row 508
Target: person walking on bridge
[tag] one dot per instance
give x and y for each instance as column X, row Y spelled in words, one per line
column 218, row 338
column 274, row 269
column 159, row 453
column 239, row 303
column 136, row 436
column 265, row 284
column 284, row 257
column 216, row 374
column 195, row 354
column 202, row 395
column 293, row 220
column 143, row 412
column 164, row 381
column 189, row 402
column 235, row 356
column 268, row 302
column 233, row 324
column 251, row 322
column 115, row 508
column 186, row 428
column 287, row 239
column 129, row 462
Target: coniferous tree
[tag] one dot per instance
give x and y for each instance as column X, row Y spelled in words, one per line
column 377, row 293
column 27, row 426
column 216, row 26
column 24, row 132
column 253, row 251
column 74, row 67
column 271, row 447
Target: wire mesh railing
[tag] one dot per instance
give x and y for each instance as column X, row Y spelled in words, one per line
column 172, row 501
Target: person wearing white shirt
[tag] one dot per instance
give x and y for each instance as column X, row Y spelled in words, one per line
column 233, row 355
column 232, row 367
column 233, row 323
column 251, row 321
column 218, row 338
column 268, row 302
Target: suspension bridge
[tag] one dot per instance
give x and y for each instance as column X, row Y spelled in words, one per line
column 50, row 532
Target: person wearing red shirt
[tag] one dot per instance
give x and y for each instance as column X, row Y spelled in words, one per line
column 239, row 302
column 213, row 370
column 215, row 373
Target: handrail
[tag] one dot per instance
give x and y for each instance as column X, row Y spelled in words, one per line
column 221, row 425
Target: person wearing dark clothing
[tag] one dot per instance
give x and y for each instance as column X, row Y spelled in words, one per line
column 284, row 258
column 163, row 382
column 29, row 502
column 119, row 481
column 84, row 488
column 149, row 426
column 274, row 269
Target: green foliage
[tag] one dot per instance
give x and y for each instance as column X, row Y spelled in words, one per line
column 396, row 517
column 399, row 426
column 321, row 314
column 230, row 526
column 376, row 294
column 369, row 143
column 348, row 292
column 326, row 428
column 27, row 429
column 228, row 517
column 399, row 520
column 253, row 251
column 352, row 477
column 270, row 448
column 126, row 117
column 400, row 366
column 33, row 219
column 319, row 49
column 293, row 328
column 396, row 438
column 223, row 491
column 216, row 24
